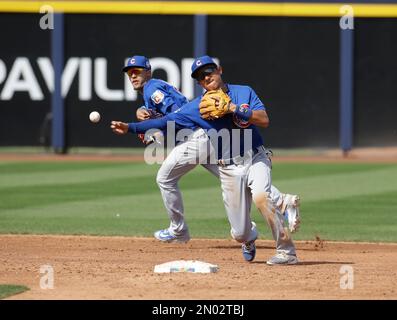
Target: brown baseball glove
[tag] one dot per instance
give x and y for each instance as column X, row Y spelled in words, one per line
column 214, row 104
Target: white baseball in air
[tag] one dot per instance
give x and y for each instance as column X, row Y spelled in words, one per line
column 95, row 116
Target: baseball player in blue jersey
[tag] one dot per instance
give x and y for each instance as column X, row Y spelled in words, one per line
column 162, row 98
column 159, row 97
column 245, row 174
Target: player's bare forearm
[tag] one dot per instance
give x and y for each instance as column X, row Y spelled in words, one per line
column 260, row 118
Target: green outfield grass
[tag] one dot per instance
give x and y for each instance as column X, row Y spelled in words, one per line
column 355, row 202
column 7, row 290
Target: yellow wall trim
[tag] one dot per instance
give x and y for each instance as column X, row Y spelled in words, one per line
column 210, row 8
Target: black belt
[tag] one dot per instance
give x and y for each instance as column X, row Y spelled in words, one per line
column 230, row 161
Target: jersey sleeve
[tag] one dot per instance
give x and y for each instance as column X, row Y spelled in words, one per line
column 169, row 105
column 142, row 127
column 158, row 98
column 153, row 98
column 255, row 103
column 180, row 120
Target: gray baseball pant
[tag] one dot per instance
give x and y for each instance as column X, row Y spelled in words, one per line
column 184, row 157
column 247, row 181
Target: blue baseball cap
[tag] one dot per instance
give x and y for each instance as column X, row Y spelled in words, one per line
column 137, row 62
column 201, row 62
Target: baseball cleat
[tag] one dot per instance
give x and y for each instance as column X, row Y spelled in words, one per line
column 292, row 204
column 249, row 250
column 166, row 236
column 283, row 259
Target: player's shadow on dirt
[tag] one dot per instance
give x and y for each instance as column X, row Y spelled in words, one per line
column 265, row 247
column 234, row 247
column 312, row 263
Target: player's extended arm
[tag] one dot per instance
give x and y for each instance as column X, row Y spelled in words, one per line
column 119, row 127
column 256, row 117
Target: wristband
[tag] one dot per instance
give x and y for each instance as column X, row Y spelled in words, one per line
column 243, row 112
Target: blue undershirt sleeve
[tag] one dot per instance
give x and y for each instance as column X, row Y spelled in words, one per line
column 142, row 127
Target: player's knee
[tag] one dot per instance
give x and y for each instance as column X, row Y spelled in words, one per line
column 165, row 181
column 161, row 180
column 261, row 199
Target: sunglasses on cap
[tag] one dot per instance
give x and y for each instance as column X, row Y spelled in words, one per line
column 201, row 74
column 136, row 71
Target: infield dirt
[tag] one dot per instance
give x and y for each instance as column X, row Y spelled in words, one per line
column 122, row 268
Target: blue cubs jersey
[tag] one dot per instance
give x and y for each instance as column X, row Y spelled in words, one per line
column 188, row 116
column 162, row 97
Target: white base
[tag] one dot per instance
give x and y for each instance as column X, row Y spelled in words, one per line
column 192, row 266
